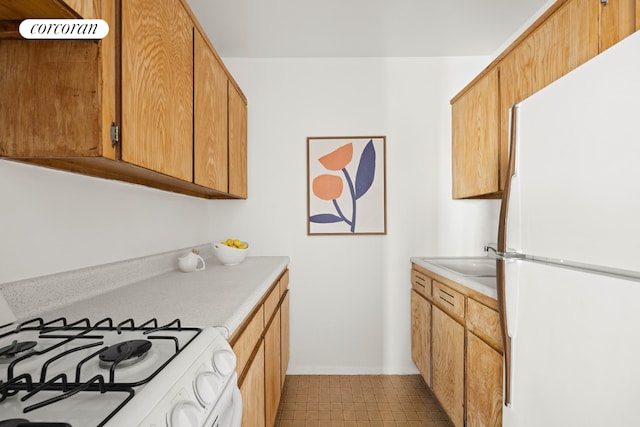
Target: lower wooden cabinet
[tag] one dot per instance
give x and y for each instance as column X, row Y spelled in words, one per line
column 484, row 384
column 421, row 334
column 262, row 349
column 447, row 377
column 252, row 391
column 273, row 385
column 284, row 337
column 456, row 344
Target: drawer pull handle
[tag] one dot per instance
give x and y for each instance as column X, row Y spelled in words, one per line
column 447, row 293
column 447, row 301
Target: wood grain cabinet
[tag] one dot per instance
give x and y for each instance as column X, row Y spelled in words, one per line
column 421, row 323
column 220, row 119
column 447, row 381
column 483, row 366
column 421, row 334
column 284, row 328
column 457, row 347
column 252, row 391
column 157, row 87
column 261, row 345
column 568, row 34
column 151, row 103
column 237, row 143
column 475, row 139
column 483, row 383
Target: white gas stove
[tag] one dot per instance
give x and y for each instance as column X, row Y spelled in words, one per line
column 83, row 373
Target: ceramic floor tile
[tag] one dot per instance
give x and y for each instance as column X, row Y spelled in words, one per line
column 358, row 401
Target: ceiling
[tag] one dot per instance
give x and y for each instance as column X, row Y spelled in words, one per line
column 362, row 28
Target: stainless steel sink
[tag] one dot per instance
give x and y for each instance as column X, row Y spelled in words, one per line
column 466, row 266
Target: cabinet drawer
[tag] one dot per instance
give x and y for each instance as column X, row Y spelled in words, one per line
column 484, row 322
column 248, row 339
column 420, row 282
column 447, row 298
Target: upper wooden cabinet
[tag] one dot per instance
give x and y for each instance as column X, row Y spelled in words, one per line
column 568, row 34
column 237, row 143
column 157, row 87
column 156, row 77
column 210, row 142
column 475, row 125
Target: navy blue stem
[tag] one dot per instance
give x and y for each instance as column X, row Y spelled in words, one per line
column 353, row 199
column 335, row 204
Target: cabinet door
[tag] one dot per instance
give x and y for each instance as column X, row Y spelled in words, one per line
column 252, row 391
column 421, row 335
column 210, row 143
column 448, row 365
column 484, row 384
column 617, row 21
column 244, row 344
column 284, row 338
column 475, row 140
column 237, row 143
column 157, row 86
column 272, row 369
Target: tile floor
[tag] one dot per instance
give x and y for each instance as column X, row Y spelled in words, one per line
column 358, row 400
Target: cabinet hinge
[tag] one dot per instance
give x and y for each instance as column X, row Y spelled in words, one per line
column 115, row 134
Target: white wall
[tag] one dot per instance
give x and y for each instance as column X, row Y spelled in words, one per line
column 350, row 294
column 54, row 221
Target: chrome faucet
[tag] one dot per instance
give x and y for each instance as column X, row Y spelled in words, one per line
column 491, row 247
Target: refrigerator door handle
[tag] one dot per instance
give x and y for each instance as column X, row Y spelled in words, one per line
column 502, row 249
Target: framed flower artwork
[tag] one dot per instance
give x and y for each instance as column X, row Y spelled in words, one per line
column 346, row 185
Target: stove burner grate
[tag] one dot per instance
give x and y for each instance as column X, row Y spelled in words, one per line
column 124, row 354
column 65, row 339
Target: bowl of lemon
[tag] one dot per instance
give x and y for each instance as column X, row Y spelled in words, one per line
column 231, row 251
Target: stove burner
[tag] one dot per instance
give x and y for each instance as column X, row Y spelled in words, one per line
column 125, row 353
column 7, row 353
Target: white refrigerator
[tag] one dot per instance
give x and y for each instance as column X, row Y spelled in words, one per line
column 569, row 249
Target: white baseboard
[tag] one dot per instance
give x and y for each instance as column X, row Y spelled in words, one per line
column 350, row 370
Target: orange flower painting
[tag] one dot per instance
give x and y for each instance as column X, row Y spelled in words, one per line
column 346, row 195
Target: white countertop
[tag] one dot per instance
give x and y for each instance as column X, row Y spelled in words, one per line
column 485, row 285
column 218, row 296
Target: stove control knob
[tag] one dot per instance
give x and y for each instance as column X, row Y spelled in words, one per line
column 207, row 387
column 224, row 362
column 185, row 414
